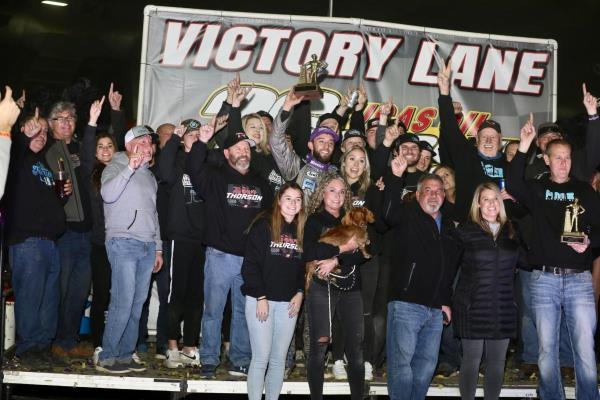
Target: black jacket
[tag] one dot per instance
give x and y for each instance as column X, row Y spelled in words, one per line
column 484, row 300
column 317, row 224
column 470, row 167
column 33, row 208
column 423, row 258
column 272, row 269
column 232, row 200
column 547, row 202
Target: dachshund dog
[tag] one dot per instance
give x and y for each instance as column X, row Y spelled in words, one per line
column 354, row 225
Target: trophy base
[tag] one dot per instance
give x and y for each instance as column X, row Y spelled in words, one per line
column 309, row 91
column 572, row 238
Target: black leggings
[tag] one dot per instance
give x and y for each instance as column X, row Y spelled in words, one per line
column 350, row 308
column 186, row 298
column 101, row 291
column 495, row 357
column 369, row 274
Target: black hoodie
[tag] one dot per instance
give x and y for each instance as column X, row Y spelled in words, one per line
column 272, row 269
column 34, row 209
column 232, row 200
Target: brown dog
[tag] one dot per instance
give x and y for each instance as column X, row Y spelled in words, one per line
column 354, row 225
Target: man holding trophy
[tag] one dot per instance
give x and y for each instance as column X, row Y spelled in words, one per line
column 566, row 215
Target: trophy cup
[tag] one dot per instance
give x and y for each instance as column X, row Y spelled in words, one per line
column 309, row 72
column 571, row 233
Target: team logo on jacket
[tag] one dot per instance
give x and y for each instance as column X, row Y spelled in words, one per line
column 356, row 202
column 559, row 196
column 244, row 196
column 287, row 247
column 44, row 174
column 189, row 194
column 491, row 171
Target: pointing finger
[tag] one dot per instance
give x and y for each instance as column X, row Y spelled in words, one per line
column 102, row 101
column 110, row 90
column 8, row 93
column 584, row 89
column 37, row 113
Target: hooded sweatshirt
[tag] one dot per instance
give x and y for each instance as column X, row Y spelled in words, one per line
column 130, row 201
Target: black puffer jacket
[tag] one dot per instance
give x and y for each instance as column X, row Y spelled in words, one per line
column 484, row 300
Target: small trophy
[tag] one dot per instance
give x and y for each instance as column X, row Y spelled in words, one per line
column 571, row 233
column 309, row 73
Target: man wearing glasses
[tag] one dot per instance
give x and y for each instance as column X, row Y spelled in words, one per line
column 74, row 245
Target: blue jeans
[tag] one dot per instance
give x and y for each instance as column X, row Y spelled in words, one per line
column 574, row 293
column 528, row 344
column 75, row 281
column 270, row 341
column 163, row 286
column 35, row 280
column 131, row 264
column 413, row 342
column 222, row 273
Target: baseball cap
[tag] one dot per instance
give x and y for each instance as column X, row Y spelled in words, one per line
column 191, row 125
column 408, row 138
column 490, row 123
column 136, row 132
column 323, row 130
column 549, row 127
column 426, row 146
column 234, row 139
column 372, row 123
column 350, row 133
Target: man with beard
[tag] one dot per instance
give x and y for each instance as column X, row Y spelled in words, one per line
column 234, row 195
column 424, row 257
column 307, row 172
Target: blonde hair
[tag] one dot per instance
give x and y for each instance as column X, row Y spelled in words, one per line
column 262, row 146
column 316, row 200
column 365, row 178
column 475, row 212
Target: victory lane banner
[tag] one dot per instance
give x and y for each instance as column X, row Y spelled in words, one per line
column 188, row 56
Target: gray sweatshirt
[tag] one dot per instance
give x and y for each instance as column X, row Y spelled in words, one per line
column 130, row 202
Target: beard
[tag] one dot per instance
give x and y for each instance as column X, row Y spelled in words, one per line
column 431, row 208
column 322, row 158
column 240, row 163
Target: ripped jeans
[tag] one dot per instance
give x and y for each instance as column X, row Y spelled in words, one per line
column 350, row 308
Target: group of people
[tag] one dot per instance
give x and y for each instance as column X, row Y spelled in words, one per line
column 231, row 211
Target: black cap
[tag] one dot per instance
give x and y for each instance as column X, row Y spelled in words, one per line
column 549, row 127
column 325, row 116
column 350, row 133
column 235, row 138
column 408, row 138
column 400, row 124
column 426, row 146
column 191, row 125
column 490, row 123
column 372, row 123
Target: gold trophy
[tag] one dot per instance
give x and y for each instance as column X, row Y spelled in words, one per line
column 309, row 73
column 571, row 233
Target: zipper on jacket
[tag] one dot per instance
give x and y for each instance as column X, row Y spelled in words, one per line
column 132, row 222
column 412, row 270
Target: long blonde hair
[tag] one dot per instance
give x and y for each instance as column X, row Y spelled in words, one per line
column 316, row 200
column 475, row 212
column 263, row 144
column 365, row 179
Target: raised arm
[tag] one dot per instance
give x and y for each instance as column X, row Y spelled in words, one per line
column 167, row 169
column 286, row 158
column 195, row 162
column 9, row 112
column 391, row 211
column 515, row 178
column 381, row 156
column 592, row 135
column 117, row 117
column 88, row 147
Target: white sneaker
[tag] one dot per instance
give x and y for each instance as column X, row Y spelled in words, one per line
column 173, row 360
column 192, row 360
column 368, row 371
column 339, row 371
column 136, row 359
column 97, row 352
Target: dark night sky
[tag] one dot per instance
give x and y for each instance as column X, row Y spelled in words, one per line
column 52, row 46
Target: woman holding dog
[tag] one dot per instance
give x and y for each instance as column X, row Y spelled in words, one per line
column 335, row 286
column 484, row 310
column 273, row 273
column 356, row 171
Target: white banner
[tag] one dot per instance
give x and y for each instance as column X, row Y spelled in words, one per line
column 188, row 56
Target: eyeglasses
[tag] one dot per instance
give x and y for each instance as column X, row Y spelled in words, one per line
column 64, row 120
